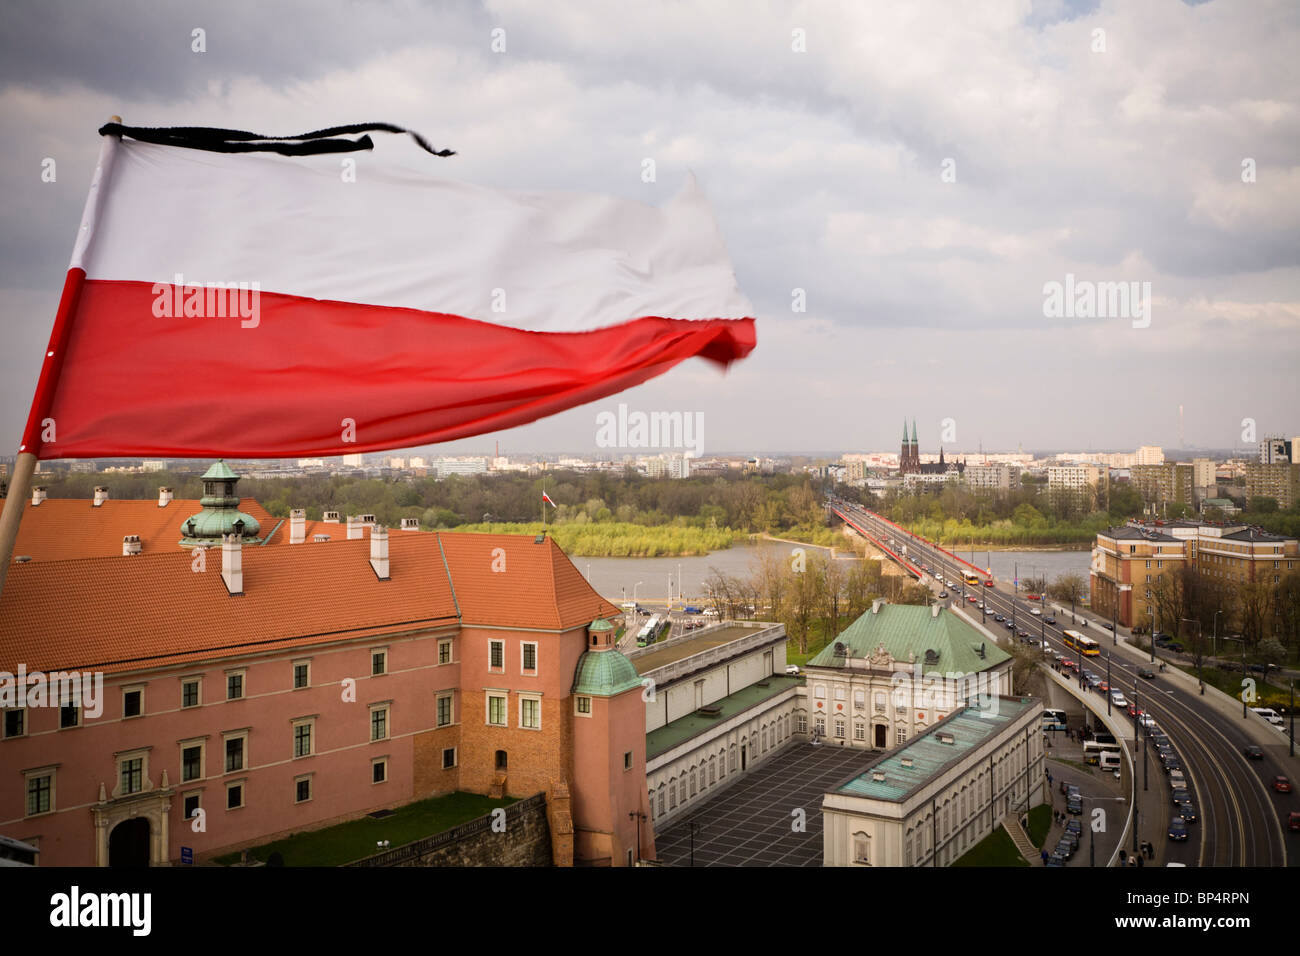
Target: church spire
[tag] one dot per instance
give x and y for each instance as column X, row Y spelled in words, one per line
column 914, row 441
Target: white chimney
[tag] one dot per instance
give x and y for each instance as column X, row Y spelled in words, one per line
column 356, row 528
column 297, row 526
column 410, row 524
column 320, row 537
column 164, row 497
column 232, row 562
column 934, row 610
column 38, row 495
column 368, row 520
column 379, row 551
column 101, row 495
column 876, row 604
column 331, row 517
column 130, row 544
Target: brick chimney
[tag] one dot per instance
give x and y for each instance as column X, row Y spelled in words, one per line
column 232, row 562
column 164, row 497
column 378, row 550
column 101, row 495
column 130, row 544
column 38, row 495
column 356, row 528
column 410, row 524
column 297, row 526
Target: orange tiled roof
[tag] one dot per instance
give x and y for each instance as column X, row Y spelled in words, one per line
column 61, row 528
column 120, row 613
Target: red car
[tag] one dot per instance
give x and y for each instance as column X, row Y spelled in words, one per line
column 1134, row 711
column 988, row 583
column 971, row 598
column 1104, row 687
column 1293, row 821
column 1281, row 784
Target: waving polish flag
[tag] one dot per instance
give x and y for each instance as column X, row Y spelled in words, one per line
column 226, row 299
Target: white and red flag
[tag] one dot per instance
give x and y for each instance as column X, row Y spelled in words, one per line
column 547, row 499
column 249, row 297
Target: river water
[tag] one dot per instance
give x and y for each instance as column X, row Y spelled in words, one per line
column 617, row 578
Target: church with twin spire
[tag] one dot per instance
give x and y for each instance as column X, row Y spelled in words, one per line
column 909, row 458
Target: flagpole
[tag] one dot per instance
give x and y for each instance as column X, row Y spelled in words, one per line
column 20, row 485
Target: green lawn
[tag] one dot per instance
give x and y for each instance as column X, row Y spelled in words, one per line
column 345, row 842
column 1230, row 683
column 1040, row 822
column 996, row 849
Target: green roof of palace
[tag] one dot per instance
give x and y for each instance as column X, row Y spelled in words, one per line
column 600, row 624
column 684, row 728
column 604, row 674
column 970, row 727
column 219, row 469
column 912, row 629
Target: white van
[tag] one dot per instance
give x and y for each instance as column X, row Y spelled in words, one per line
column 1108, row 760
column 1269, row 714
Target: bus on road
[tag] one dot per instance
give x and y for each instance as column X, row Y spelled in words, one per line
column 1093, row 749
column 1054, row 719
column 1084, row 645
column 973, row 579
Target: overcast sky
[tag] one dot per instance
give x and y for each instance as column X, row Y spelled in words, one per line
column 826, row 168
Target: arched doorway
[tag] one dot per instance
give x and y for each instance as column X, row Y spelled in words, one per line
column 502, row 760
column 128, row 844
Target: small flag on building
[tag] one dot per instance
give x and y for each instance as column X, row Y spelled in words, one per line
column 547, row 499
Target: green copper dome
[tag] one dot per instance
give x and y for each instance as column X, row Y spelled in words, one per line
column 600, row 624
column 220, row 514
column 604, row 674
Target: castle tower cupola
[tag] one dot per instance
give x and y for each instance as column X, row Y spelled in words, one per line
column 220, row 515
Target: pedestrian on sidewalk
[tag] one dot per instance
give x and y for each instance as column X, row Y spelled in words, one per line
column 1123, row 857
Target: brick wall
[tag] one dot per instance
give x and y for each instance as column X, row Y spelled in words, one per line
column 525, row 841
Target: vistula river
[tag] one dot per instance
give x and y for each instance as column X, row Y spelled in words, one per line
column 656, row 579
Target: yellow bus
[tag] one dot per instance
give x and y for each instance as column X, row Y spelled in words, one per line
column 973, row 579
column 1084, row 645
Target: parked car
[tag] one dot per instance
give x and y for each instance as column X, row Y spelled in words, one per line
column 1074, row 806
column 792, row 670
column 1076, row 827
column 1035, row 612
column 1055, row 860
column 1177, row 829
column 1051, row 620
column 1281, row 784
column 1108, row 626
column 1252, row 752
column 943, row 594
column 1065, row 848
column 1147, row 673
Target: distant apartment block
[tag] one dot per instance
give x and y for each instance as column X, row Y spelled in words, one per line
column 996, row 478
column 1150, row 455
column 1279, row 480
column 1164, row 484
column 458, row 466
column 354, row 461
column 1072, row 477
column 1276, row 450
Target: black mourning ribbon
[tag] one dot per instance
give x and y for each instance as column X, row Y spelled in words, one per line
column 332, row 140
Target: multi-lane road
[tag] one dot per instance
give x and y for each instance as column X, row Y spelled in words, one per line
column 1242, row 820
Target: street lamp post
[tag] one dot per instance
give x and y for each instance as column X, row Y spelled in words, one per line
column 1107, row 684
column 1242, row 641
column 1214, row 638
column 634, row 587
column 1200, row 655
